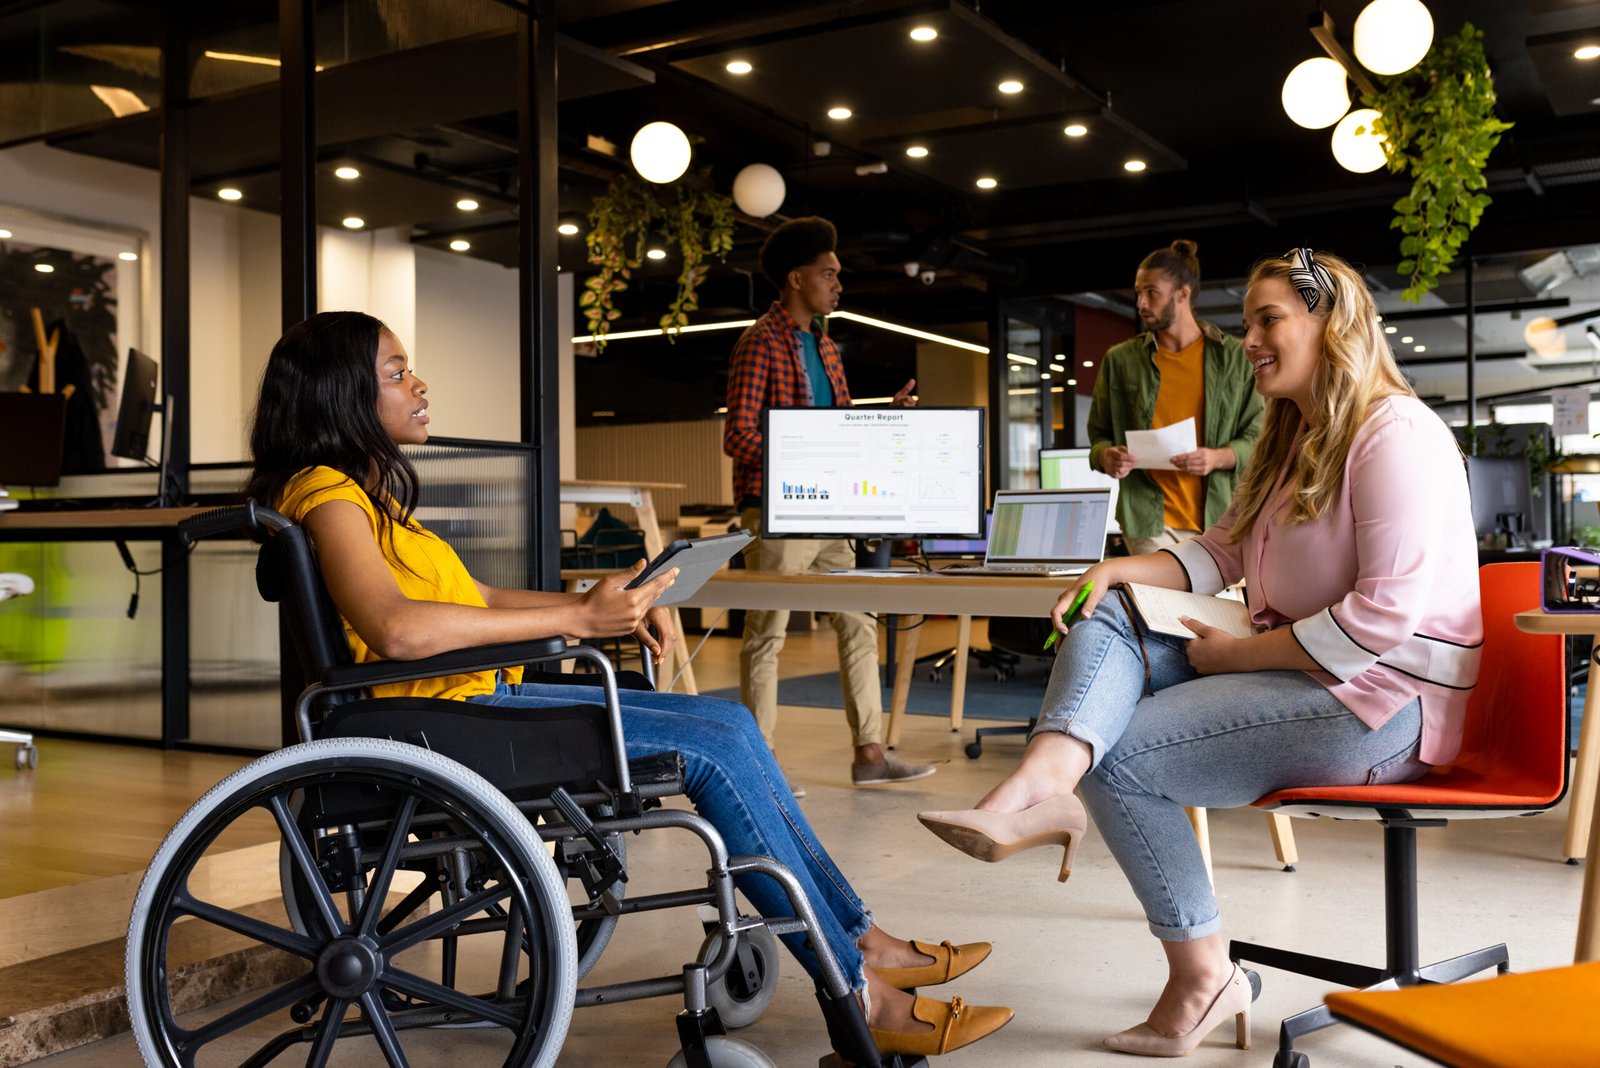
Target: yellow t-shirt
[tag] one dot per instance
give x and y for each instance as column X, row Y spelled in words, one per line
column 1182, row 395
column 432, row 572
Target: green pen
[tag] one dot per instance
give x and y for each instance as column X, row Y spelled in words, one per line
column 1072, row 610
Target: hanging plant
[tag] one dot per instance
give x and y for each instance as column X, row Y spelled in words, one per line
column 1439, row 122
column 697, row 222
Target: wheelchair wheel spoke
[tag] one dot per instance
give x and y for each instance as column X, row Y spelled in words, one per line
column 418, row 987
column 383, row 1030
column 307, row 866
column 332, row 1024
column 407, row 906
column 383, row 876
column 443, row 920
column 263, row 932
column 265, row 1005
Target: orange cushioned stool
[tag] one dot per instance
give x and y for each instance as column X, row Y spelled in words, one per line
column 1548, row 1019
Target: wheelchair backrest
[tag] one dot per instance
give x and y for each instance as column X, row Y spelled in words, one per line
column 288, row 574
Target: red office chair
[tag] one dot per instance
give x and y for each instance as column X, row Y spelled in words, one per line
column 1513, row 762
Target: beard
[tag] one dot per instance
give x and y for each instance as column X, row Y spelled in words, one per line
column 1163, row 320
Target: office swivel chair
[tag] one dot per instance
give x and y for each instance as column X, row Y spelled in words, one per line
column 14, row 585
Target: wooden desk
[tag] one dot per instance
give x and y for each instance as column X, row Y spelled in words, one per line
column 133, row 524
column 1583, row 830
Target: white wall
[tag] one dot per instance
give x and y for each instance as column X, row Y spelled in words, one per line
column 465, row 345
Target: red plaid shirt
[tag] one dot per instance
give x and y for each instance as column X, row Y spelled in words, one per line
column 768, row 371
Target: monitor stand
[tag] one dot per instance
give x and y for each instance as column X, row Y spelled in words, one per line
column 872, row 554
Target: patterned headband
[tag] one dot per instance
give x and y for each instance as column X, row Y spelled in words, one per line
column 1310, row 278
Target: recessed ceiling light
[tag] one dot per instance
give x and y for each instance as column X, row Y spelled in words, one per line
column 839, row 113
column 5, row 233
column 1134, row 166
column 987, row 183
column 656, row 254
column 1088, row 363
column 353, row 222
column 1408, row 339
column 127, row 257
column 924, row 33
column 1044, row 376
column 467, row 204
column 1010, row 85
column 459, row 245
column 1419, row 348
column 1391, row 330
column 45, row 268
column 916, row 151
column 1076, row 129
column 567, row 228
column 1072, row 381
column 230, row 194
column 347, row 173
column 1588, row 51
column 739, row 66
column 1595, row 101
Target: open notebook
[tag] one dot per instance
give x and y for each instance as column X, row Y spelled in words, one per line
column 1160, row 609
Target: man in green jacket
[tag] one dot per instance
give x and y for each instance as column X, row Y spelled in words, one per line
column 1180, row 368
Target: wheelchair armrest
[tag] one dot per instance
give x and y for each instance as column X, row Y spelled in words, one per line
column 455, row 662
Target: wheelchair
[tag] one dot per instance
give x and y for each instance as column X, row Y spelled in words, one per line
column 443, row 865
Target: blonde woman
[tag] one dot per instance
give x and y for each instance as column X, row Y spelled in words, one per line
column 1353, row 530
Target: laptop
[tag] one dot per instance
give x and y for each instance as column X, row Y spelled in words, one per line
column 1044, row 532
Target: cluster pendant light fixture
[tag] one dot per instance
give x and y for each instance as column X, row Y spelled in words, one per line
column 1391, row 37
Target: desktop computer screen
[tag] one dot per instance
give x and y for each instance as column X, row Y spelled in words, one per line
column 1069, row 469
column 139, row 392
column 874, row 473
column 1501, row 499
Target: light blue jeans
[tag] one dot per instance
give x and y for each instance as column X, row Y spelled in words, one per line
column 734, row 782
column 1211, row 741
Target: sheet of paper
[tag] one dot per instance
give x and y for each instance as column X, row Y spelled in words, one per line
column 1161, row 608
column 1153, row 449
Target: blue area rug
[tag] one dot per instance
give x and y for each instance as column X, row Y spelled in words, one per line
column 1015, row 699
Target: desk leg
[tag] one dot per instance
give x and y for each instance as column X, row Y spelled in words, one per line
column 1588, row 947
column 958, row 678
column 174, row 643
column 650, row 527
column 1202, row 835
column 1580, row 812
column 680, row 655
column 902, row 678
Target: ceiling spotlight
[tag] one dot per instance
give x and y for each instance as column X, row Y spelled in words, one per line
column 1392, row 36
column 1076, row 129
column 348, row 173
column 128, row 257
column 917, row 152
column 1587, row 52
column 45, row 268
column 660, row 152
column 1390, row 330
column 460, row 245
column 1408, row 339
column 924, row 33
column 1088, row 363
column 1316, row 94
column 467, row 204
column 5, row 234
column 567, row 228
column 839, row 113
column 987, row 183
column 1356, row 145
column 1010, row 86
column 230, row 194
column 1134, row 166
column 353, row 222
column 656, row 253
column 1419, row 348
column 1072, row 381
column 739, row 66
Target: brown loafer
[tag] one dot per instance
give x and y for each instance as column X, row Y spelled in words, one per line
column 949, row 961
column 955, row 1024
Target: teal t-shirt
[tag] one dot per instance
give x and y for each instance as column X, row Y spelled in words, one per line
column 811, row 353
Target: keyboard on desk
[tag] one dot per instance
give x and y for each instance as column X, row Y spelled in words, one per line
column 1015, row 570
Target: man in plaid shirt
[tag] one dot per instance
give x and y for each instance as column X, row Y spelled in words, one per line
column 784, row 359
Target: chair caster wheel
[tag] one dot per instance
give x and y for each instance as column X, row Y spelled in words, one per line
column 1288, row 867
column 1254, row 978
column 1574, row 861
column 1291, row 1058
column 27, row 758
column 974, row 751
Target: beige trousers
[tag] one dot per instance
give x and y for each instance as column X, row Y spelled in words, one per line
column 1168, row 537
column 764, row 634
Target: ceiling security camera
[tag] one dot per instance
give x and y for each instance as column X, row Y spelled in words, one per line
column 928, row 276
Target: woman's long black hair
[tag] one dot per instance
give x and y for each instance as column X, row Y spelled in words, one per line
column 319, row 406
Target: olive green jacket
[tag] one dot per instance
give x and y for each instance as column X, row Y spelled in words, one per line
column 1125, row 399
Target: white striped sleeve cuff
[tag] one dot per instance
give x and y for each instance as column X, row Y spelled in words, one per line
column 1204, row 575
column 1327, row 643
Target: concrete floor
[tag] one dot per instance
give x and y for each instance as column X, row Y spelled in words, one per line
column 1075, row 961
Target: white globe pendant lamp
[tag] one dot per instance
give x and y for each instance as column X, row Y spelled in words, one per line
column 1355, row 145
column 1392, row 36
column 1315, row 93
column 660, row 152
column 758, row 190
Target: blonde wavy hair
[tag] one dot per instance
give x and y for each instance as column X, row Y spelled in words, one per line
column 1356, row 371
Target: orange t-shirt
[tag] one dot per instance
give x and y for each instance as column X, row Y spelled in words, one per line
column 1182, row 395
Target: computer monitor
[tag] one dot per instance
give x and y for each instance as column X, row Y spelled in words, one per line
column 873, row 473
column 1069, row 469
column 957, row 547
column 32, row 435
column 139, row 392
column 1501, row 499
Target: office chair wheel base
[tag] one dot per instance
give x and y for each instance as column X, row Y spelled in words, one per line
column 27, row 757
column 1291, row 1058
column 974, row 750
column 725, row 1052
column 1574, row 861
column 740, row 998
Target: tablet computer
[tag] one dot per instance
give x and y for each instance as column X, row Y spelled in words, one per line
column 695, row 560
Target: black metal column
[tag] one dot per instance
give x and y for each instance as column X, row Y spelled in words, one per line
column 175, row 362
column 1472, row 348
column 999, row 401
column 297, row 158
column 538, row 311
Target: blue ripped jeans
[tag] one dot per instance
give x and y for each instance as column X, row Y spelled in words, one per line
column 1210, row 741
column 734, row 782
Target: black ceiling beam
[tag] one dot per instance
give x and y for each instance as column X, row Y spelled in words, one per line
column 1490, row 307
column 1441, row 361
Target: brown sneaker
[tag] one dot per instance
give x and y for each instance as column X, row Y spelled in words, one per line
column 891, row 770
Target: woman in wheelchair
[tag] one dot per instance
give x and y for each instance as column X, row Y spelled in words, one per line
column 338, row 398
column 1353, row 529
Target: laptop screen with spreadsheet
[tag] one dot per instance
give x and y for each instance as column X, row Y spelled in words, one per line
column 1048, row 527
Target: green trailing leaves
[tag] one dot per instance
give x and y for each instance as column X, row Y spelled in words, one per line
column 698, row 223
column 1439, row 122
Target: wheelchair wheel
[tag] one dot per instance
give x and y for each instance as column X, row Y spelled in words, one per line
column 725, row 1052
column 357, row 966
column 741, row 996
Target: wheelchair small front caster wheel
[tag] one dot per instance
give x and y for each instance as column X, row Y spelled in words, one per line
column 726, row 1052
column 741, row 996
column 1291, row 1058
column 974, row 750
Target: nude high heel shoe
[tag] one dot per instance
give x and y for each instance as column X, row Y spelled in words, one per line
column 1232, row 1000
column 994, row 836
